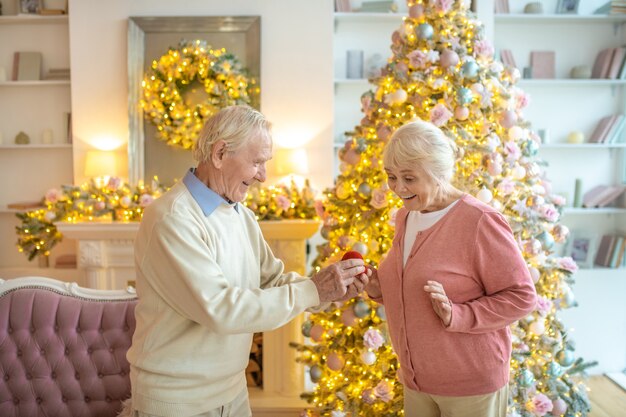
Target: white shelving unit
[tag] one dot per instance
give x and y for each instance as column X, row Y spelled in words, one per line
column 563, row 105
column 33, row 107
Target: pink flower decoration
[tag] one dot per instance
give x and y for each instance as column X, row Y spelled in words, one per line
column 417, row 59
column 506, row 186
column 384, row 391
column 379, row 198
column 319, row 208
column 543, row 305
column 114, row 183
column 558, row 200
column 440, row 114
column 483, row 48
column 373, row 339
column 368, row 396
column 392, row 216
column 512, row 150
column 283, row 202
column 145, row 200
column 567, row 263
column 522, row 99
column 541, row 405
column 549, row 212
column 443, row 5
column 53, row 195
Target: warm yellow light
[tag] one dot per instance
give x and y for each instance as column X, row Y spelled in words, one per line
column 289, row 161
column 100, row 164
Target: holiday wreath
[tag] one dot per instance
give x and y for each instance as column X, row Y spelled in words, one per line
column 190, row 83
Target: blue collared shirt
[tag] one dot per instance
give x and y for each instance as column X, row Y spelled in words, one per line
column 207, row 199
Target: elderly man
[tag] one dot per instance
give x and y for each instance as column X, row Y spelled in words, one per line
column 207, row 280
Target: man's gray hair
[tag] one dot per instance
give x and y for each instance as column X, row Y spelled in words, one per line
column 235, row 125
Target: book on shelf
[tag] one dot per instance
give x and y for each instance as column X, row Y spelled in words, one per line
column 602, row 64
column 602, row 195
column 618, row 248
column 57, row 74
column 501, row 7
column 26, row 66
column 342, row 6
column 601, row 130
column 617, row 63
column 605, row 250
column 506, row 56
column 615, row 131
column 542, row 64
column 621, row 253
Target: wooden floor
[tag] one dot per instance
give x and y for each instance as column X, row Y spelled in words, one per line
column 607, row 398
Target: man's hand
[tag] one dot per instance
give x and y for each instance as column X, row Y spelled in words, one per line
column 373, row 287
column 357, row 286
column 332, row 282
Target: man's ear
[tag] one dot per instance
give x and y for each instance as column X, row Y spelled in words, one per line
column 218, row 151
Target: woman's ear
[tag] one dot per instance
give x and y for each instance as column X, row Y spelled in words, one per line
column 218, row 151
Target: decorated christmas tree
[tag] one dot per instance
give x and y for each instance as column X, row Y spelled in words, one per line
column 442, row 69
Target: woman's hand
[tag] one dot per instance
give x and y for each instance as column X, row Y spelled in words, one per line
column 373, row 287
column 440, row 301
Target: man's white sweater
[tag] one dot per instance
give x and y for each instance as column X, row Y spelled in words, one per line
column 205, row 285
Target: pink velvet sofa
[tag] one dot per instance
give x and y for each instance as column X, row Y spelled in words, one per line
column 63, row 348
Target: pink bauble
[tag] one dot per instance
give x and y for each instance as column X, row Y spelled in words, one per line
column 559, row 407
column 449, row 58
column 368, row 357
column 534, row 274
column 508, row 119
column 351, row 157
column 348, row 318
column 461, row 113
column 335, row 361
column 416, row 11
column 317, row 332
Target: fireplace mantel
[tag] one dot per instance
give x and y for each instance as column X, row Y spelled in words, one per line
column 105, row 253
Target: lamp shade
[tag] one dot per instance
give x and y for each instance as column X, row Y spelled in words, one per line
column 100, row 164
column 288, row 161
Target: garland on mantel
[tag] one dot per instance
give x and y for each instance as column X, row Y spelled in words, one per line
column 119, row 201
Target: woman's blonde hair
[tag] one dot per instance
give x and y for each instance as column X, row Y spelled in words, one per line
column 235, row 125
column 422, row 144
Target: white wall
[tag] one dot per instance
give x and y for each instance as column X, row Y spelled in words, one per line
column 296, row 75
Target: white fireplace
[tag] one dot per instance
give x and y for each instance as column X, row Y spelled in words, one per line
column 105, row 254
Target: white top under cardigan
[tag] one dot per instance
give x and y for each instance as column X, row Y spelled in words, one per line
column 417, row 222
column 205, row 285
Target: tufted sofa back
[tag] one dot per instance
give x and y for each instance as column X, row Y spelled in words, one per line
column 63, row 349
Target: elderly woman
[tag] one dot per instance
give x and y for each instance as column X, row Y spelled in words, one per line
column 452, row 283
column 207, row 280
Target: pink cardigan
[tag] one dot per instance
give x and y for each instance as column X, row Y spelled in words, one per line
column 473, row 253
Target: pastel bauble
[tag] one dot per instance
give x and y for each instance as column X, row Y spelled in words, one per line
column 508, row 119
column 559, row 407
column 398, row 97
column 526, row 378
column 516, row 133
column 380, row 312
column 360, row 247
column 306, row 328
column 364, row 190
column 470, row 69
column 317, row 332
column 416, row 11
column 519, row 172
column 315, row 372
column 461, row 113
column 485, row 195
column 546, row 239
column 424, row 31
column 538, row 327
column 368, row 357
column 335, row 361
column 534, row 274
column 449, row 58
column 565, row 357
column 348, row 318
column 361, row 309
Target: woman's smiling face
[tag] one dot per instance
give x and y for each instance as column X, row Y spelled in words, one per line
column 413, row 185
